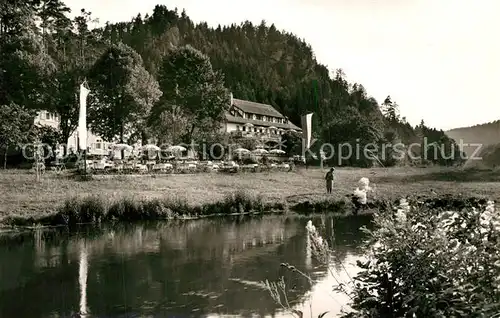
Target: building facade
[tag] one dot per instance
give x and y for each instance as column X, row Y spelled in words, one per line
column 256, row 120
column 95, row 144
column 243, row 118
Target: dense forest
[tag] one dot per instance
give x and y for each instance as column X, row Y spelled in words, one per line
column 165, row 71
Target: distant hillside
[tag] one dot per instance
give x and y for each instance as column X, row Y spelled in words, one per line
column 488, row 135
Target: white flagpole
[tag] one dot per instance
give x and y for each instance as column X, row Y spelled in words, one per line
column 82, row 124
column 306, row 133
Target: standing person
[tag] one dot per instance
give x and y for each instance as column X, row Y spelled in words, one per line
column 329, row 180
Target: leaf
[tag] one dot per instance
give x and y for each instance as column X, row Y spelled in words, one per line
column 298, row 313
column 323, row 314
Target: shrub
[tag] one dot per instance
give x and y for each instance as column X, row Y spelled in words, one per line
column 90, row 209
column 427, row 263
column 422, row 261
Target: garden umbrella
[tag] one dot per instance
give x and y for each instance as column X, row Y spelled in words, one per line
column 176, row 149
column 121, row 146
column 241, row 150
column 259, row 151
column 151, row 147
column 277, row 151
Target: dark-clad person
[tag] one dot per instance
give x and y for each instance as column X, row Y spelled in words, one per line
column 329, row 180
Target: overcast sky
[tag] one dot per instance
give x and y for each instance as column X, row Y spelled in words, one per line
column 438, row 59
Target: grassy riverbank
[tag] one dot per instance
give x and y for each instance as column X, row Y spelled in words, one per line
column 204, row 194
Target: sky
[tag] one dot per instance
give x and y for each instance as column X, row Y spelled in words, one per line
column 439, row 60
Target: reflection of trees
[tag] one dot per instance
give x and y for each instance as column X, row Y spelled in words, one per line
column 174, row 268
column 345, row 237
column 26, row 290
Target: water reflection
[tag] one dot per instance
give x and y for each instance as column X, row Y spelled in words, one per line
column 196, row 268
column 82, row 278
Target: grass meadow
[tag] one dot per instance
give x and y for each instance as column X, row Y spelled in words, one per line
column 22, row 196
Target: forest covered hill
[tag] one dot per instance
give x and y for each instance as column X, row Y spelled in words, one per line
column 488, row 133
column 263, row 64
column 255, row 62
column 483, row 139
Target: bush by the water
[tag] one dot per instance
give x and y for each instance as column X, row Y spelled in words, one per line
column 95, row 209
column 425, row 262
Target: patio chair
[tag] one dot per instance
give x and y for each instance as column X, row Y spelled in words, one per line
column 118, row 167
column 41, row 166
column 163, row 167
column 141, row 168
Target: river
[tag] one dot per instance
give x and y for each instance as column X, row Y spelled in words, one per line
column 200, row 268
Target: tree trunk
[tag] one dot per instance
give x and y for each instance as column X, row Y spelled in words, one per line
column 144, row 137
column 65, row 138
column 191, row 132
column 5, row 158
column 122, row 152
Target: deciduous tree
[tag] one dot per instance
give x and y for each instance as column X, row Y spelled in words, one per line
column 16, row 123
column 192, row 89
column 122, row 93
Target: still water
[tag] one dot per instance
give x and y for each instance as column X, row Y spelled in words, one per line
column 202, row 268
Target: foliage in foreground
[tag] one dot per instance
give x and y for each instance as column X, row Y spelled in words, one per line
column 430, row 263
column 422, row 261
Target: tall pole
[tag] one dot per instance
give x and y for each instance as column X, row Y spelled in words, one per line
column 82, row 124
column 85, row 162
column 37, row 158
column 37, row 162
column 306, row 134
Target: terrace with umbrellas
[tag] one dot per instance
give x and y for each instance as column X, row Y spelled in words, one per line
column 255, row 133
column 150, row 158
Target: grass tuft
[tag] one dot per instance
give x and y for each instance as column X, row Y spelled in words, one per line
column 95, row 210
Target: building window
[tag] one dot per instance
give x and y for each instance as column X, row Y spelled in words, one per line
column 47, row 116
column 244, row 128
column 237, row 128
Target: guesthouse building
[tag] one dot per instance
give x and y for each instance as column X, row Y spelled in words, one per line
column 242, row 118
column 256, row 120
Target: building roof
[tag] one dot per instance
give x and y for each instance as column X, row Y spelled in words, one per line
column 239, row 120
column 256, row 108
